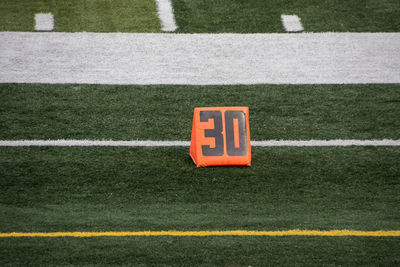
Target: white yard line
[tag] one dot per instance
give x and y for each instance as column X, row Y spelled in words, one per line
column 291, row 23
column 44, row 22
column 148, row 143
column 166, row 15
column 63, row 142
column 199, row 59
column 338, row 142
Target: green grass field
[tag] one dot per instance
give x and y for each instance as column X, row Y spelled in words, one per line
column 289, row 112
column 96, row 189
column 68, row 189
column 251, row 16
column 264, row 16
column 214, row 251
column 79, row 16
column 119, row 189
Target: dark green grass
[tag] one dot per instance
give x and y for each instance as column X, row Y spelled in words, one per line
column 214, row 251
column 117, row 189
column 129, row 189
column 252, row 16
column 297, row 112
column 79, row 16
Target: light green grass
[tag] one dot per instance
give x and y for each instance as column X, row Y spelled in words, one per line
column 264, row 16
column 79, row 16
column 291, row 112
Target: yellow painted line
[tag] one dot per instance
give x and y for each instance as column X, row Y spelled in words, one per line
column 297, row 232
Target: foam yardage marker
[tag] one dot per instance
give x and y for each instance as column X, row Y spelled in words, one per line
column 221, row 136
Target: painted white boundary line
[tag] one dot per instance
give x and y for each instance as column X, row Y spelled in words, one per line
column 166, row 15
column 148, row 143
column 199, row 59
column 291, row 23
column 44, row 22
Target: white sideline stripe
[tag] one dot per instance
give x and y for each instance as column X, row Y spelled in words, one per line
column 44, row 22
column 291, row 23
column 148, row 143
column 166, row 15
column 199, row 59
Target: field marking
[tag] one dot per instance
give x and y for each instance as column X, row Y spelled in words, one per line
column 166, row 15
column 338, row 142
column 149, row 143
column 63, row 142
column 296, row 232
column 291, row 23
column 44, row 22
column 199, row 59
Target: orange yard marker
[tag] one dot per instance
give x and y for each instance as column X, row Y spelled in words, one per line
column 221, row 136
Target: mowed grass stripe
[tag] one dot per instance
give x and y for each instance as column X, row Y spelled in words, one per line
column 297, row 232
column 204, row 16
column 48, row 189
column 277, row 112
column 210, row 251
column 82, row 16
column 264, row 16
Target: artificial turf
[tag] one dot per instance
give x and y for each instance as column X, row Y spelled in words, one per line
column 252, row 16
column 160, row 188
column 291, row 112
column 211, row 251
column 82, row 16
column 256, row 16
column 116, row 189
column 132, row 189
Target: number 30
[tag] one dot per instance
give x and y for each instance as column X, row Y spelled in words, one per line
column 216, row 133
